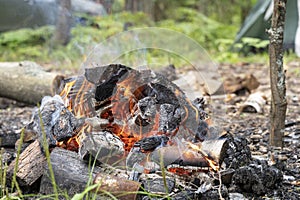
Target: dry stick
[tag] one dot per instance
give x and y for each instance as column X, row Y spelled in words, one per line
column 220, row 186
column 164, row 174
column 277, row 74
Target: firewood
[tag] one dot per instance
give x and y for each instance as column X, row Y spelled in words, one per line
column 27, row 82
column 70, row 172
column 30, row 165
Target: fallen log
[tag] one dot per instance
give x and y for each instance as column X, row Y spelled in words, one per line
column 27, row 82
column 30, row 165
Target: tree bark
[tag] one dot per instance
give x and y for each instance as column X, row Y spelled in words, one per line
column 27, row 82
column 63, row 25
column 277, row 74
column 30, row 165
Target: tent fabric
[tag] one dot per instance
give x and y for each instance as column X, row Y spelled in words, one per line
column 259, row 20
column 297, row 38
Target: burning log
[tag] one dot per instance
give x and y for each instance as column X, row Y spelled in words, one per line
column 27, row 82
column 31, row 165
column 207, row 154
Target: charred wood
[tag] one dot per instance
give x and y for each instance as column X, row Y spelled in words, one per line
column 70, row 172
column 104, row 146
column 55, row 119
column 257, row 178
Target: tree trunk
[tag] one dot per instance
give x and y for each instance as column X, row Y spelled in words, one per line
column 63, row 25
column 277, row 74
column 107, row 4
column 145, row 6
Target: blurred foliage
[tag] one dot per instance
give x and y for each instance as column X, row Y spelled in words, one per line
column 213, row 25
column 249, row 45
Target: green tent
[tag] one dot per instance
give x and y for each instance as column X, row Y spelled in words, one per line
column 259, row 20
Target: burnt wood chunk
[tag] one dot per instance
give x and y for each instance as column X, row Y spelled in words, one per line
column 57, row 121
column 257, row 178
column 151, row 143
column 30, row 165
column 157, row 185
column 104, row 146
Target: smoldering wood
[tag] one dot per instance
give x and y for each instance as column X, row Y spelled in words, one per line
column 183, row 156
column 27, row 82
column 103, row 145
column 57, row 121
column 170, row 104
column 238, row 153
column 30, row 165
column 70, row 172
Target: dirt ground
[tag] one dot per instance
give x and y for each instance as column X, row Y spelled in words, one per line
column 253, row 126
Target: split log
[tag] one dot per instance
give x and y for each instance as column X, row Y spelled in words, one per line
column 30, row 165
column 27, row 82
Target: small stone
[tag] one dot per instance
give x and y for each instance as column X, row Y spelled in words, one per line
column 236, row 196
column 295, row 99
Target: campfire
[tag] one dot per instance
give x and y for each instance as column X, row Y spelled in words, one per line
column 145, row 136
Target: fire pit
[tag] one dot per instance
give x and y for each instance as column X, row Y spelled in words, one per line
column 136, row 136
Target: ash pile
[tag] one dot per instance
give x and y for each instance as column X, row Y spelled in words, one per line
column 134, row 135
